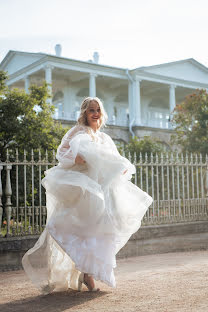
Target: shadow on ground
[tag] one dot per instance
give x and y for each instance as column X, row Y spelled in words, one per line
column 54, row 302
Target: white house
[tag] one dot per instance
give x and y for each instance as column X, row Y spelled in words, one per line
column 138, row 101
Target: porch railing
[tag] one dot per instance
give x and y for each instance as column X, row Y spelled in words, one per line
column 155, row 119
column 158, row 119
column 177, row 183
column 112, row 120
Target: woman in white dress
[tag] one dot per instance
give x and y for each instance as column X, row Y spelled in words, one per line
column 92, row 209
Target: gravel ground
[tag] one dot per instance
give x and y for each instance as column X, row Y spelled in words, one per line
column 166, row 282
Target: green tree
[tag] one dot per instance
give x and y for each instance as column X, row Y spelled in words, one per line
column 26, row 122
column 190, row 119
column 26, row 119
column 143, row 146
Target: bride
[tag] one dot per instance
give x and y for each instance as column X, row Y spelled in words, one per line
column 92, row 209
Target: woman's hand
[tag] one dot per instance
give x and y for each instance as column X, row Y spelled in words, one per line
column 79, row 160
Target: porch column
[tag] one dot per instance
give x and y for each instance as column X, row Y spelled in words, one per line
column 172, row 101
column 27, row 84
column 130, row 101
column 92, row 85
column 48, row 78
column 136, row 101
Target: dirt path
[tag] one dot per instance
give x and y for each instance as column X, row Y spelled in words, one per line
column 164, row 283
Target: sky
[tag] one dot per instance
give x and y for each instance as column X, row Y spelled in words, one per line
column 125, row 33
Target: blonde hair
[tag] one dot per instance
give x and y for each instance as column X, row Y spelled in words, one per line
column 82, row 120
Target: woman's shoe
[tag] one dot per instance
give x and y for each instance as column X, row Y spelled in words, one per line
column 47, row 289
column 81, row 281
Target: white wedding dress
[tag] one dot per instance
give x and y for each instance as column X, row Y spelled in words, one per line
column 92, row 210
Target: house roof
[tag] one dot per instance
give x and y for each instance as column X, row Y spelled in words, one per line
column 145, row 72
column 11, row 53
column 189, row 60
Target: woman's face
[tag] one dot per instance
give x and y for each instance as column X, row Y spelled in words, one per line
column 93, row 115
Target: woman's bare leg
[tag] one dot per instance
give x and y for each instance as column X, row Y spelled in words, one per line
column 89, row 281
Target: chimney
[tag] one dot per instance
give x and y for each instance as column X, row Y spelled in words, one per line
column 96, row 57
column 58, row 49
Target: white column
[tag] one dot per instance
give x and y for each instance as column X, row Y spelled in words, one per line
column 110, row 111
column 27, row 84
column 136, row 102
column 48, row 78
column 67, row 105
column 130, row 102
column 172, row 101
column 92, row 85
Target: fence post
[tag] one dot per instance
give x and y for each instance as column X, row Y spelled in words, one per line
column 8, row 193
column 1, row 208
column 206, row 177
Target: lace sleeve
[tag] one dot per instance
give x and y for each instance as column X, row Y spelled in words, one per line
column 65, row 154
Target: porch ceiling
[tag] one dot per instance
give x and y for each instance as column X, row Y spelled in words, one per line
column 74, row 76
column 149, row 88
column 156, row 89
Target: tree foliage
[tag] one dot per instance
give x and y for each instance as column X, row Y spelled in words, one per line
column 144, row 145
column 190, row 119
column 26, row 120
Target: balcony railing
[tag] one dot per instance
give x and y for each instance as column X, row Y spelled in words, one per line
column 74, row 116
column 151, row 119
column 156, row 119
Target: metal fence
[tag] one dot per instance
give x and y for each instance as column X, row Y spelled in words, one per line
column 178, row 184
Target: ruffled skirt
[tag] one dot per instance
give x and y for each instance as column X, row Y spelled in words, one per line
column 90, row 217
